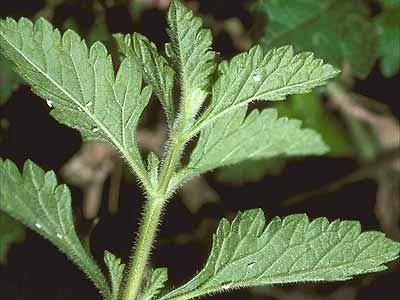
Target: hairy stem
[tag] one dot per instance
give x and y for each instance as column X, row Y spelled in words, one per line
column 171, row 160
column 146, row 237
column 152, row 216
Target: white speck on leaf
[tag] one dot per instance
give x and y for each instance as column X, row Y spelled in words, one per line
column 257, row 77
column 251, row 265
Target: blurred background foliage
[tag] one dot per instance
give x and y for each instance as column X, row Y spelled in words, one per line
column 357, row 116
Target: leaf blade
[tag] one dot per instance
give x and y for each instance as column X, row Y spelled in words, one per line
column 115, row 270
column 245, row 253
column 193, row 58
column 153, row 66
column 34, row 198
column 260, row 135
column 155, row 283
column 254, row 75
column 79, row 83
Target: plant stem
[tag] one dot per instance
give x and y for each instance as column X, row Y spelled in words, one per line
column 147, row 234
column 152, row 216
column 169, row 166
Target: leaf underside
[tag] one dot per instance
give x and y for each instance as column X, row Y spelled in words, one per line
column 154, row 68
column 310, row 110
column 191, row 55
column 255, row 75
column 235, row 138
column 35, row 199
column 246, row 253
column 155, row 283
column 79, row 83
column 116, row 271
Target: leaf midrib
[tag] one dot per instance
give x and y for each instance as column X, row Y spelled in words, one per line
column 271, row 280
column 194, row 130
column 126, row 154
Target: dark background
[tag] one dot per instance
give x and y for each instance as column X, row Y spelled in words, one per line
column 37, row 271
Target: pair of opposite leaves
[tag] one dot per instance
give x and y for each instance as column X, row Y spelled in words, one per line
column 86, row 94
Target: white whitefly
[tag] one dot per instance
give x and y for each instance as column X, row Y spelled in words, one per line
column 257, row 77
column 251, row 265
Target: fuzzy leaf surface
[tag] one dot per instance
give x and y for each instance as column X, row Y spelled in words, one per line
column 35, row 199
column 254, row 75
column 154, row 68
column 310, row 110
column 116, row 272
column 335, row 30
column 79, row 83
column 235, row 138
column 192, row 57
column 246, row 253
column 155, row 283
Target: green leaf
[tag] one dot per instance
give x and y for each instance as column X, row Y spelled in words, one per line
column 254, row 75
column 153, row 164
column 155, row 283
column 11, row 232
column 235, row 138
column 154, row 68
column 336, row 30
column 193, row 60
column 35, row 199
column 116, row 272
column 9, row 81
column 388, row 27
column 79, row 83
column 310, row 110
column 246, row 253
